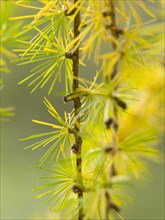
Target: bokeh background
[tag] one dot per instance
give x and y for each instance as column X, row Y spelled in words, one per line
column 146, row 200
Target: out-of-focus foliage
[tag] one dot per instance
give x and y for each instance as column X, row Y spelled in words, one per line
column 7, row 30
column 136, row 93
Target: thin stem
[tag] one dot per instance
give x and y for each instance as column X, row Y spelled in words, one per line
column 113, row 21
column 115, row 33
column 77, row 107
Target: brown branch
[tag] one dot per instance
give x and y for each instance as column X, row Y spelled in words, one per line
column 115, row 33
column 113, row 121
column 77, row 107
column 75, row 97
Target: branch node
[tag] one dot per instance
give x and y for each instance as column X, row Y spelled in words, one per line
column 76, row 148
column 68, row 97
column 120, row 31
column 120, row 103
column 78, row 189
column 107, row 13
column 69, row 13
column 114, row 206
column 108, row 123
column 71, row 130
column 114, row 29
column 73, row 56
column 109, row 149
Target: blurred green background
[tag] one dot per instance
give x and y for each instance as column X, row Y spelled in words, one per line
column 17, row 175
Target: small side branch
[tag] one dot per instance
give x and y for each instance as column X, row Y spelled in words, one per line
column 72, row 96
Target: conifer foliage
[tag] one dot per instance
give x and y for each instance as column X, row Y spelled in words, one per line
column 100, row 145
column 6, row 35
